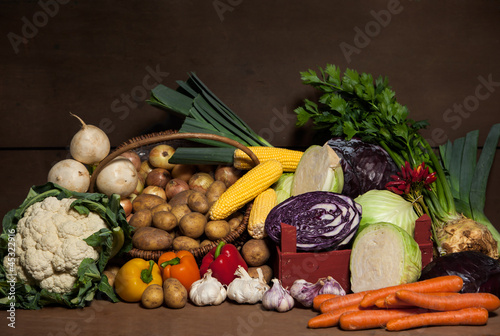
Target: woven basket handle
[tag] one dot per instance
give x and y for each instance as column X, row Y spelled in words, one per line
column 166, row 137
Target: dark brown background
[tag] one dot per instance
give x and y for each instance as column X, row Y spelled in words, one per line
column 87, row 57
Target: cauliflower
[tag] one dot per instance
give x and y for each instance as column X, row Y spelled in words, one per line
column 50, row 245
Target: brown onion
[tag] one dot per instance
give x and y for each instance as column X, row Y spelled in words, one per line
column 204, row 168
column 200, row 182
column 140, row 186
column 183, row 171
column 158, row 177
column 134, row 158
column 155, row 190
column 227, row 174
column 126, row 204
column 146, row 167
column 175, row 186
column 159, row 156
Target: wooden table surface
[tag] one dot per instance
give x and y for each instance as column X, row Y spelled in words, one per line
column 228, row 319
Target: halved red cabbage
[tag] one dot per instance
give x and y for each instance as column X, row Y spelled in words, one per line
column 324, row 220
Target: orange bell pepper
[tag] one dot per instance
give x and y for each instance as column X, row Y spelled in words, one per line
column 180, row 265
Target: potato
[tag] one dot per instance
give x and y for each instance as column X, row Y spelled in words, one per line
column 161, row 207
column 217, row 229
column 174, row 293
column 181, row 198
column 198, row 202
column 180, row 211
column 165, row 220
column 214, row 191
column 193, row 225
column 110, row 272
column 267, row 272
column 141, row 218
column 152, row 297
column 146, row 201
column 235, row 220
column 185, row 243
column 205, row 242
column 255, row 252
column 151, row 239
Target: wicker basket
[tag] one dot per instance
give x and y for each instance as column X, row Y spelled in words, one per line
column 142, row 145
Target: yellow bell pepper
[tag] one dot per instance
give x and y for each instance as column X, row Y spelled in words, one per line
column 134, row 277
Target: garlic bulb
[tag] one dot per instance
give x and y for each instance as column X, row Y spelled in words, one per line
column 207, row 291
column 304, row 291
column 277, row 298
column 245, row 289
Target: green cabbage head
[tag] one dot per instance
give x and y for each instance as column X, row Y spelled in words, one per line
column 383, row 255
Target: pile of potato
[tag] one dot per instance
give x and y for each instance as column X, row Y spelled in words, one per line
column 169, row 209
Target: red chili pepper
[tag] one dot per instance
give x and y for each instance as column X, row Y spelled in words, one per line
column 223, row 260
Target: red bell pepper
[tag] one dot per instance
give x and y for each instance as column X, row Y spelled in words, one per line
column 223, row 260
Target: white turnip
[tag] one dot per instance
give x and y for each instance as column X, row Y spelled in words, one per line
column 90, row 144
column 70, row 174
column 118, row 177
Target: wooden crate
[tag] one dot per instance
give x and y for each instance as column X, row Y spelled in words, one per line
column 290, row 265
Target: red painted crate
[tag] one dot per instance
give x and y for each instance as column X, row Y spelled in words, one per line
column 290, row 265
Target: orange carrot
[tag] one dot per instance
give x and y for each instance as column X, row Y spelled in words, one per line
column 446, row 283
column 341, row 301
column 382, row 303
column 373, row 318
column 466, row 316
column 450, row 302
column 392, row 301
column 331, row 318
column 320, row 298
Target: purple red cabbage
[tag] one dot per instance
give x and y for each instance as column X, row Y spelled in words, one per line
column 479, row 272
column 324, row 220
column 366, row 166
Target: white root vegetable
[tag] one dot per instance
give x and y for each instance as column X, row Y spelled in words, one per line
column 118, row 177
column 70, row 174
column 90, row 144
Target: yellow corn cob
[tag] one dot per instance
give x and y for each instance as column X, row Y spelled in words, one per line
column 261, row 207
column 246, row 188
column 289, row 158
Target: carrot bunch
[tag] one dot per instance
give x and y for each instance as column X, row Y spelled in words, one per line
column 429, row 302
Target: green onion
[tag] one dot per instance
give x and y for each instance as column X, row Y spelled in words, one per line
column 472, row 173
column 209, row 156
column 203, row 112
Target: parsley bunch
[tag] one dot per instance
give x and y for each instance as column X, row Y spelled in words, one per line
column 354, row 105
